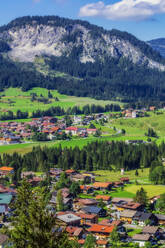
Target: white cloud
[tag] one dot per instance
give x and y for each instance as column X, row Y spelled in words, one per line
column 124, row 9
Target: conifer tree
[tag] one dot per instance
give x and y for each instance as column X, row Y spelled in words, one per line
column 33, row 225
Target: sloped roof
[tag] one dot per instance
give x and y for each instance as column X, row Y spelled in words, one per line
column 101, row 229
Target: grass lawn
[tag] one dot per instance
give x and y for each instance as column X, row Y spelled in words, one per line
column 85, row 196
column 124, row 193
column 139, row 126
column 111, row 176
column 132, row 232
column 152, row 190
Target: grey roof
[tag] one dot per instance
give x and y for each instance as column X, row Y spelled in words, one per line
column 145, row 216
column 160, row 216
column 92, row 209
column 128, row 213
column 69, row 218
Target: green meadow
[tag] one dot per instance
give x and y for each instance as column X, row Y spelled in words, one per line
column 138, row 126
column 14, row 99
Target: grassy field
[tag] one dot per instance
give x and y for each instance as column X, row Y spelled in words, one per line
column 137, row 127
column 152, row 190
column 14, row 99
column 131, row 189
column 110, row 176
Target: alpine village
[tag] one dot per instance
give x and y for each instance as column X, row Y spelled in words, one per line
column 82, row 136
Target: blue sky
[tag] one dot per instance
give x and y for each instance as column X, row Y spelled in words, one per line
column 143, row 18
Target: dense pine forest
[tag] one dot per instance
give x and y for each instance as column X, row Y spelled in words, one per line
column 94, row 156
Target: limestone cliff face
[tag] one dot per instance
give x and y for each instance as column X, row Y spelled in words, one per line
column 28, row 41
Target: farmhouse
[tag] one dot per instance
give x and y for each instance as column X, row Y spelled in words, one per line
column 69, row 219
column 127, row 216
column 94, row 210
column 88, row 218
column 101, row 231
column 141, row 239
column 104, row 198
column 102, row 186
column 6, row 170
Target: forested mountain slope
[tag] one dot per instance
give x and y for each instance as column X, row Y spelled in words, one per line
column 80, row 59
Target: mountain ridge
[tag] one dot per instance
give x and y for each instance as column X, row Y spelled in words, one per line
column 32, row 36
column 158, row 45
column 96, row 62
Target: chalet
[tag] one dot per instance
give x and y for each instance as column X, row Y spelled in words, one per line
column 94, row 210
column 152, row 230
column 102, row 186
column 69, row 219
column 100, row 231
column 131, row 206
column 161, row 219
column 109, row 222
column 74, row 231
column 118, row 184
column 91, row 131
column 79, row 177
column 124, row 180
column 35, row 181
column 72, row 130
column 90, row 177
column 141, row 239
column 70, row 172
column 87, row 178
column 142, row 218
column 81, row 203
column 87, row 218
column 6, row 170
column 104, row 198
column 121, row 200
column 27, row 174
column 86, row 189
column 127, row 216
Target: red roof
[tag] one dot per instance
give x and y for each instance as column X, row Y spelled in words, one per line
column 96, row 228
column 101, row 185
column 102, row 242
column 103, row 197
column 70, row 171
column 124, row 179
column 4, row 168
column 86, row 216
column 81, row 241
column 72, row 128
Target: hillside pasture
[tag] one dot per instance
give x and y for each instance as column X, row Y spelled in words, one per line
column 14, row 99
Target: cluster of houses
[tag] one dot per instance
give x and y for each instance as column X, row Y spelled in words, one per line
column 94, row 211
column 18, row 132
column 7, row 195
column 84, row 215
